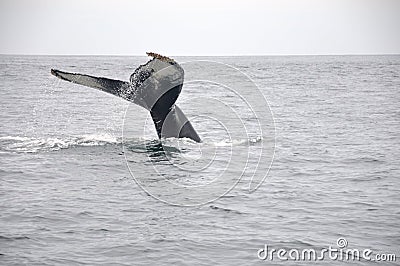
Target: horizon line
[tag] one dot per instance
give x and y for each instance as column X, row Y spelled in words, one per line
column 223, row 55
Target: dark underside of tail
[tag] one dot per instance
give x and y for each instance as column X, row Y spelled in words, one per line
column 171, row 121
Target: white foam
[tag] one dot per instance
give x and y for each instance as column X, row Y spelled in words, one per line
column 31, row 144
column 36, row 144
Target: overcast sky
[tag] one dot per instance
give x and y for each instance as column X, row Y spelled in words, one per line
column 206, row 27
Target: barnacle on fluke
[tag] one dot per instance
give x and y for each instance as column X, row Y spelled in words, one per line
column 161, row 57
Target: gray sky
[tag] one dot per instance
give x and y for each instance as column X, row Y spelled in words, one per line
column 206, row 27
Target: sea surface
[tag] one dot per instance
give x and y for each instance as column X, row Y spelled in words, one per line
column 84, row 180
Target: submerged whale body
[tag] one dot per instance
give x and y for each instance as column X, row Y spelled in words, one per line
column 154, row 86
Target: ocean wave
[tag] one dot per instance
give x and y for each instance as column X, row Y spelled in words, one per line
column 23, row 144
column 37, row 144
column 237, row 142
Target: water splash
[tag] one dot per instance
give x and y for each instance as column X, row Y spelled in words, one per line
column 20, row 144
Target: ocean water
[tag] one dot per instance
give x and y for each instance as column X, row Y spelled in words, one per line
column 83, row 179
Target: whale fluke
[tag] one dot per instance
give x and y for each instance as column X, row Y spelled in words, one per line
column 155, row 86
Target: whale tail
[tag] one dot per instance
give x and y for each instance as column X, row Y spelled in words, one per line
column 155, row 86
